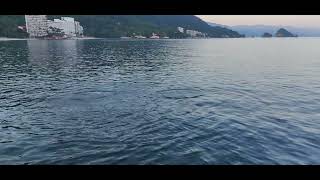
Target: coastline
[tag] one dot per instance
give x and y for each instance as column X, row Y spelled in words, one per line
column 19, row 39
column 94, row 38
column 11, row 39
column 83, row 38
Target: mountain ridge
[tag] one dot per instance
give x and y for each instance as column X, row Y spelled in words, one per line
column 259, row 29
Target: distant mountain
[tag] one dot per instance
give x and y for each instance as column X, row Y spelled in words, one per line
column 284, row 33
column 254, row 30
column 258, row 30
column 215, row 25
column 125, row 25
column 266, row 35
column 304, row 31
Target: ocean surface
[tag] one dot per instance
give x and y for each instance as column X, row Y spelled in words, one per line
column 209, row 101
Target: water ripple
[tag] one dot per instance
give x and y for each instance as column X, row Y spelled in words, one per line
column 241, row 101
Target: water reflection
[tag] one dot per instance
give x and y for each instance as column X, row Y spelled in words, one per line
column 126, row 56
column 52, row 55
column 123, row 56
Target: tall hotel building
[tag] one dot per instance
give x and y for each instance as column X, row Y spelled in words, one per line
column 37, row 25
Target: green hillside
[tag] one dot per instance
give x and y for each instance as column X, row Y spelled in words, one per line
column 8, row 26
column 126, row 25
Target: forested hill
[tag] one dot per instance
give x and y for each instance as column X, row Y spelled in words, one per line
column 8, row 26
column 122, row 25
column 126, row 25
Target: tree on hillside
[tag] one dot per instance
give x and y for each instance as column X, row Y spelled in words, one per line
column 57, row 32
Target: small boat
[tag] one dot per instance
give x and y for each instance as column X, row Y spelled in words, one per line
column 125, row 37
column 154, row 36
column 139, row 37
column 166, row 37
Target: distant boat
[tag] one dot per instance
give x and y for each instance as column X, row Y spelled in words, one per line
column 140, row 37
column 125, row 37
column 154, row 36
column 166, row 37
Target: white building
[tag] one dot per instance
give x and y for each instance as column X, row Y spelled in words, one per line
column 194, row 33
column 36, row 25
column 78, row 28
column 180, row 29
column 68, row 25
column 56, row 23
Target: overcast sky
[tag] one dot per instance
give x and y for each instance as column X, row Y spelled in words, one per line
column 285, row 20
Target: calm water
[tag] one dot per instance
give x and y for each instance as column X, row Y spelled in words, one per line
column 217, row 101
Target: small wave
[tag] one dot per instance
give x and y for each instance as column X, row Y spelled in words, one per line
column 181, row 93
column 14, row 127
column 209, row 103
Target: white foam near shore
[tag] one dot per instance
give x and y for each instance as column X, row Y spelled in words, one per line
column 80, row 38
column 10, row 39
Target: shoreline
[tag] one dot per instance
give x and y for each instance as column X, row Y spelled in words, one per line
column 94, row 38
column 19, row 39
column 11, row 39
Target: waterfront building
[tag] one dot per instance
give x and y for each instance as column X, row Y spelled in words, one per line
column 68, row 26
column 36, row 25
column 180, row 29
column 194, row 33
column 154, row 36
column 78, row 29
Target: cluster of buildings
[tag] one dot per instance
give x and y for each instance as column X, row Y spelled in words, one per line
column 192, row 33
column 154, row 36
column 39, row 26
column 36, row 25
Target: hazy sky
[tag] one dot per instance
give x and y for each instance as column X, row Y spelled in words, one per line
column 290, row 20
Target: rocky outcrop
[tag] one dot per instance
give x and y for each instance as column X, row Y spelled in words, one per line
column 284, row 33
column 266, row 35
